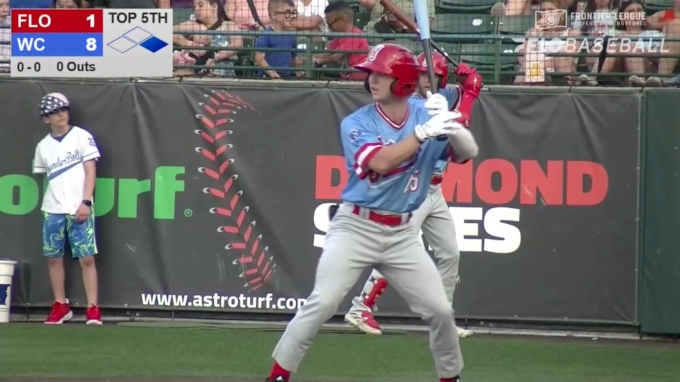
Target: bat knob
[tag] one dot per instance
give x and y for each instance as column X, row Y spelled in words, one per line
column 442, row 137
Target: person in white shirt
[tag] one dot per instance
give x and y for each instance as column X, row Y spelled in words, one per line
column 67, row 157
column 311, row 15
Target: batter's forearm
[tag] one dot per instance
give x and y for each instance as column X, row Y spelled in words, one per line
column 464, row 145
column 390, row 157
column 90, row 180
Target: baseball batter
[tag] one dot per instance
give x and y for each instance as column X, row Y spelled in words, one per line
column 390, row 149
column 433, row 216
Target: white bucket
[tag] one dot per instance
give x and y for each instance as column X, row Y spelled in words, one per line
column 6, row 273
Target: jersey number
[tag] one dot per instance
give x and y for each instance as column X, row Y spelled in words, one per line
column 413, row 183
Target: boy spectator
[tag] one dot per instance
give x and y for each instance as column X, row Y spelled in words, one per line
column 282, row 14
column 340, row 18
column 67, row 157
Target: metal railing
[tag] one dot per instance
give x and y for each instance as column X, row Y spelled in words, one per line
column 488, row 43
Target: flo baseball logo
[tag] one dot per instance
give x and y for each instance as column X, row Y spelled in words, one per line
column 218, row 110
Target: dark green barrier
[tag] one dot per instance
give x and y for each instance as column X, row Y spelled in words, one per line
column 660, row 204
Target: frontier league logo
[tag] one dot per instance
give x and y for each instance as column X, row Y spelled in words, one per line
column 559, row 20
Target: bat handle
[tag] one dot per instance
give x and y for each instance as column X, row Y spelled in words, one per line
column 427, row 49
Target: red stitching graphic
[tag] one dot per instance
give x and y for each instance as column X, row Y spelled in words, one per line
column 255, row 264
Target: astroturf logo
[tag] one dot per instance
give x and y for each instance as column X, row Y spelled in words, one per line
column 20, row 194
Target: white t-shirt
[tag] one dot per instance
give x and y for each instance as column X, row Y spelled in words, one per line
column 315, row 8
column 62, row 162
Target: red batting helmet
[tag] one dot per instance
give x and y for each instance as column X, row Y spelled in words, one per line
column 441, row 67
column 396, row 61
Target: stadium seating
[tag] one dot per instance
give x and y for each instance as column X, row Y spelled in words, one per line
column 654, row 6
column 515, row 25
column 464, row 6
column 463, row 24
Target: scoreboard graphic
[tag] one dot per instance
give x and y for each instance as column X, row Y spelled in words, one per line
column 92, row 43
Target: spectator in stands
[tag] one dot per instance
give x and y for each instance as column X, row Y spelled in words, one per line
column 390, row 24
column 340, row 18
column 380, row 15
column 240, row 12
column 541, row 42
column 310, row 15
column 640, row 56
column 527, row 7
column 601, row 17
column 282, row 15
column 668, row 22
column 209, row 16
column 176, row 4
column 660, row 20
column 122, row 4
column 5, row 37
column 67, row 4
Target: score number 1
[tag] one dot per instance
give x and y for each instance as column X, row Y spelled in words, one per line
column 90, row 43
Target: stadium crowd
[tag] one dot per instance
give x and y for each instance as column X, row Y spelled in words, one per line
column 559, row 42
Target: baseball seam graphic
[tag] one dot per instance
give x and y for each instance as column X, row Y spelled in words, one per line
column 255, row 264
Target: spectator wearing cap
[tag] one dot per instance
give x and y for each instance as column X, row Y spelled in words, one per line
column 380, row 15
column 67, row 157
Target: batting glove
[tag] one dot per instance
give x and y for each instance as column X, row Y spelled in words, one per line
column 464, row 119
column 439, row 125
column 436, row 104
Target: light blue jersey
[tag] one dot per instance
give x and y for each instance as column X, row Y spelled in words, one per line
column 363, row 134
column 453, row 96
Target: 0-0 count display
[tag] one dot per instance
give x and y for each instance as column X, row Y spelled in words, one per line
column 35, row 67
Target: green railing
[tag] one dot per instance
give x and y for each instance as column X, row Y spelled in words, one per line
column 485, row 34
column 494, row 55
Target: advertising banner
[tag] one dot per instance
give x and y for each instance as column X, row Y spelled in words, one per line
column 215, row 198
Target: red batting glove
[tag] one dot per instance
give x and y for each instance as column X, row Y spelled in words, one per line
column 471, row 83
column 464, row 70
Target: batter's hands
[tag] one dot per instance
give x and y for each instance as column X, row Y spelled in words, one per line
column 440, row 124
column 436, row 103
column 469, row 79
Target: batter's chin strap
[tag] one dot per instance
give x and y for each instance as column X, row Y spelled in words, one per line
column 332, row 210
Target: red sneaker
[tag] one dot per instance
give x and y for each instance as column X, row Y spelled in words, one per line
column 363, row 321
column 93, row 315
column 60, row 313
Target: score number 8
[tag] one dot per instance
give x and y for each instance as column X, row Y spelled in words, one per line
column 91, row 44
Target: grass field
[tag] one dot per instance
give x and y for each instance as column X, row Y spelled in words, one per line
column 207, row 353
